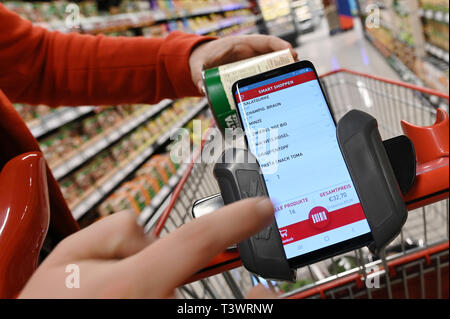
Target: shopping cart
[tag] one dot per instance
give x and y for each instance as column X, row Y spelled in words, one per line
column 414, row 265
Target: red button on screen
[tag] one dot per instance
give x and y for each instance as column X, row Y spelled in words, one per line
column 319, row 217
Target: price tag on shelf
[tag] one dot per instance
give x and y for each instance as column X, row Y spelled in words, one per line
column 109, row 185
column 60, row 171
column 114, row 136
column 157, row 200
column 102, row 144
column 84, row 109
column 135, row 122
column 120, row 176
column 123, row 130
column 78, row 211
column 141, row 158
column 93, row 199
column 163, row 138
column 91, row 151
column 88, row 26
column 75, row 161
column 149, row 151
column 37, row 130
column 127, row 170
column 149, row 113
column 145, row 214
column 52, row 122
column 129, row 126
column 135, row 19
column 68, row 115
column 173, row 180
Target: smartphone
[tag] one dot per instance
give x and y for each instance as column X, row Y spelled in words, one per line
column 290, row 128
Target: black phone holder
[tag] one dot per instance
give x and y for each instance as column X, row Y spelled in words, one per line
column 381, row 172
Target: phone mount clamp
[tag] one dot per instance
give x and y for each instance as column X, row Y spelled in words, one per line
column 381, row 172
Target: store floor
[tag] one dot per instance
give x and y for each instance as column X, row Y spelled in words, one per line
column 348, row 50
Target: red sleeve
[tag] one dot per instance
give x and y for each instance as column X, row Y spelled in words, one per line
column 39, row 66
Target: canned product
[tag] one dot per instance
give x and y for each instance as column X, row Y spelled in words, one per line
column 218, row 82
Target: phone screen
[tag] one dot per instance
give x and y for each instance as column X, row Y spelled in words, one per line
column 291, row 131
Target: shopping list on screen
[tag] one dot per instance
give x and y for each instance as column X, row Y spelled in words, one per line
column 290, row 130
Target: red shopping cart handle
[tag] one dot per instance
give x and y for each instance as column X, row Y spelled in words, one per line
column 432, row 149
column 431, row 183
column 24, row 220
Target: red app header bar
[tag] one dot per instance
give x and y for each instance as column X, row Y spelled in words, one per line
column 275, row 86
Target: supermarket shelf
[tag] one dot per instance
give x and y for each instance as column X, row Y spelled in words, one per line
column 106, row 23
column 439, row 16
column 67, row 165
column 251, row 30
column 385, row 24
column 121, row 21
column 213, row 9
column 402, row 70
column 136, row 19
column 166, row 136
column 58, row 118
column 119, row 174
column 437, row 52
column 149, row 211
column 405, row 73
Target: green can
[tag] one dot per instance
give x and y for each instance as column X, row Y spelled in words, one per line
column 218, row 82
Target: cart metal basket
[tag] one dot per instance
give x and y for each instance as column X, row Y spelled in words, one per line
column 414, row 265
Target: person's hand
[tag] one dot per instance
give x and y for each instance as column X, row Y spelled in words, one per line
column 230, row 49
column 116, row 259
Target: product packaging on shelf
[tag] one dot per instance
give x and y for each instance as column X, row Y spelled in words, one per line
column 103, row 163
column 49, row 147
column 84, row 178
column 69, row 189
column 138, row 193
column 150, row 184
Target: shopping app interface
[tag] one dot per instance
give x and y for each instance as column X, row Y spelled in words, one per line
column 292, row 134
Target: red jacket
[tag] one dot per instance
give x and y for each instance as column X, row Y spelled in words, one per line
column 42, row 67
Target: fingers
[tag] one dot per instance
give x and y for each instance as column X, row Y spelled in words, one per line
column 277, row 44
column 170, row 261
column 261, row 292
column 265, row 44
column 114, row 237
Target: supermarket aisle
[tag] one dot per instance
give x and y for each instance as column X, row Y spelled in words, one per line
column 345, row 50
